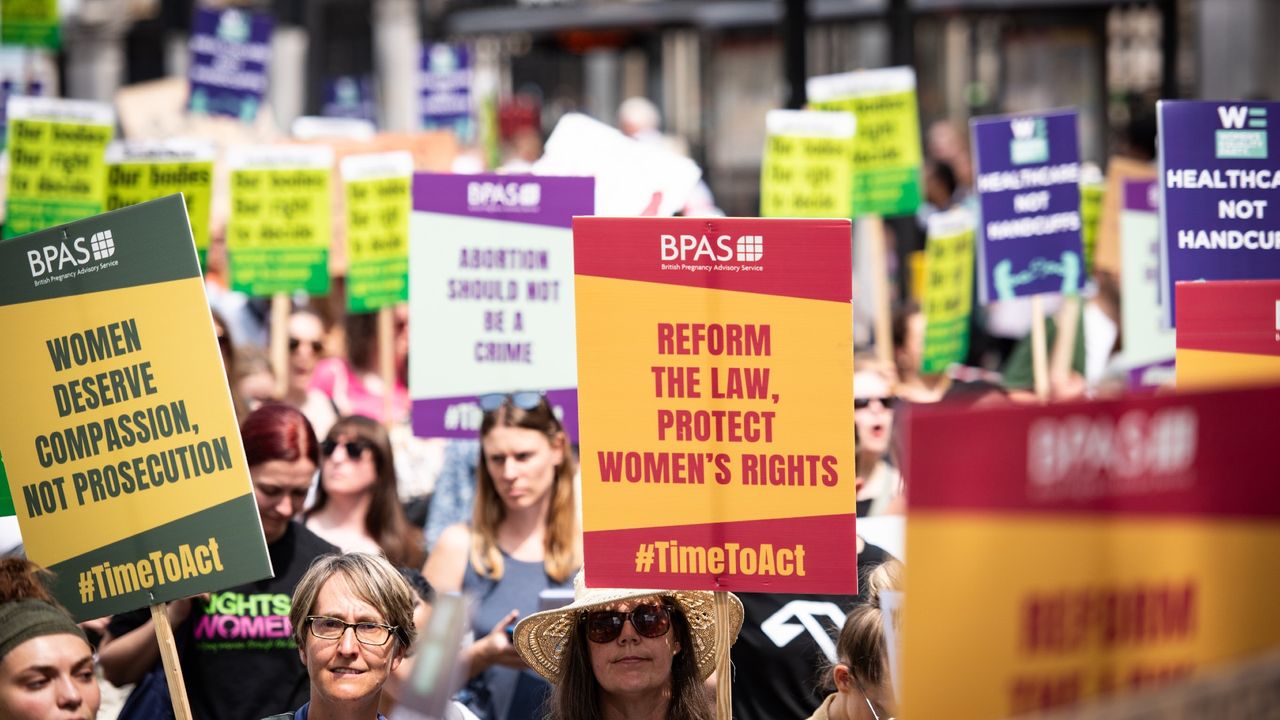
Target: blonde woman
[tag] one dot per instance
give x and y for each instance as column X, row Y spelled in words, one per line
column 523, row 539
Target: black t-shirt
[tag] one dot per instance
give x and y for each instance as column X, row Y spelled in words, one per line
column 785, row 645
column 238, row 656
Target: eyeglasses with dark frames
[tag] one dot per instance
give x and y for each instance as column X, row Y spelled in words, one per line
column 888, row 402
column 354, row 448
column 368, row 633
column 316, row 346
column 650, row 620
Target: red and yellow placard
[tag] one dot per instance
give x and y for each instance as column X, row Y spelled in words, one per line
column 1068, row 553
column 1228, row 333
column 715, row 401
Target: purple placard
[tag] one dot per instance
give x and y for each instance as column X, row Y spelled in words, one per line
column 445, row 88
column 533, row 199
column 1152, row 376
column 349, row 96
column 230, row 53
column 1140, row 196
column 1028, row 183
column 460, row 416
column 1219, row 174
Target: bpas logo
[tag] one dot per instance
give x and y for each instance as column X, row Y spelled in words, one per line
column 522, row 197
column 692, row 248
column 1234, row 141
column 72, row 254
column 1030, row 142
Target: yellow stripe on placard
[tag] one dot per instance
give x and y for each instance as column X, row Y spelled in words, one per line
column 807, row 368
column 1019, row 613
column 164, row 353
column 1208, row 369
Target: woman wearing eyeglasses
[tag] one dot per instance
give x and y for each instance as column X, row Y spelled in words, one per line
column 864, row 690
column 873, row 402
column 524, row 538
column 356, row 505
column 352, row 619
column 624, row 654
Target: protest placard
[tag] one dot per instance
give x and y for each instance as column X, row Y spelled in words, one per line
column 279, row 229
column 632, row 177
column 120, row 444
column 350, row 96
column 378, row 206
column 808, row 164
column 57, row 170
column 1148, row 343
column 491, row 267
column 445, row 76
column 948, row 292
column 1219, row 173
column 1228, row 333
column 30, row 22
column 230, row 56
column 886, row 150
column 1092, row 190
column 1086, row 550
column 138, row 171
column 1119, row 170
column 715, row 395
column 1028, row 184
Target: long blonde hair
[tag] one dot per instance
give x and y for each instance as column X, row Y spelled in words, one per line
column 562, row 554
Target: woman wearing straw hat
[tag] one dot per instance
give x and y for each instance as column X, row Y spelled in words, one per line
column 627, row 654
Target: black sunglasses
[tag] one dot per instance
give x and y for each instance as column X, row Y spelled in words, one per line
column 354, row 448
column 648, row 619
column 523, row 399
column 862, row 403
column 316, row 346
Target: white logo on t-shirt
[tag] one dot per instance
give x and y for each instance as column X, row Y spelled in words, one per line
column 781, row 630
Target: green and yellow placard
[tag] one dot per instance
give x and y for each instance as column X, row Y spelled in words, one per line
column 1092, row 189
column 145, row 170
column 948, row 292
column 808, row 165
column 279, row 230
column 120, row 443
column 378, row 207
column 57, row 170
column 30, row 22
column 886, row 151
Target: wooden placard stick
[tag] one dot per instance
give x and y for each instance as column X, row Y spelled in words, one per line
column 1039, row 353
column 724, row 675
column 279, row 341
column 169, row 657
column 880, row 286
column 387, row 363
column 1066, row 323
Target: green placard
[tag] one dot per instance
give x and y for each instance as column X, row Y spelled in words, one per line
column 1090, row 216
column 279, row 230
column 30, row 22
column 377, row 243
column 6, row 498
column 57, row 172
column 948, row 292
column 887, row 178
column 808, row 165
column 130, row 183
column 120, row 442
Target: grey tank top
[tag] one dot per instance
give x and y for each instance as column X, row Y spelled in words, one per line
column 502, row 693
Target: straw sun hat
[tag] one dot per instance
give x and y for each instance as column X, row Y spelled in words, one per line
column 541, row 638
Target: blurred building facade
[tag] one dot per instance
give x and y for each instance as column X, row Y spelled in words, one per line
column 715, row 67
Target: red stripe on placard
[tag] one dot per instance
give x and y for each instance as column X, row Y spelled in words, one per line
column 1198, row 454
column 805, row 555
column 793, row 258
column 1241, row 316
